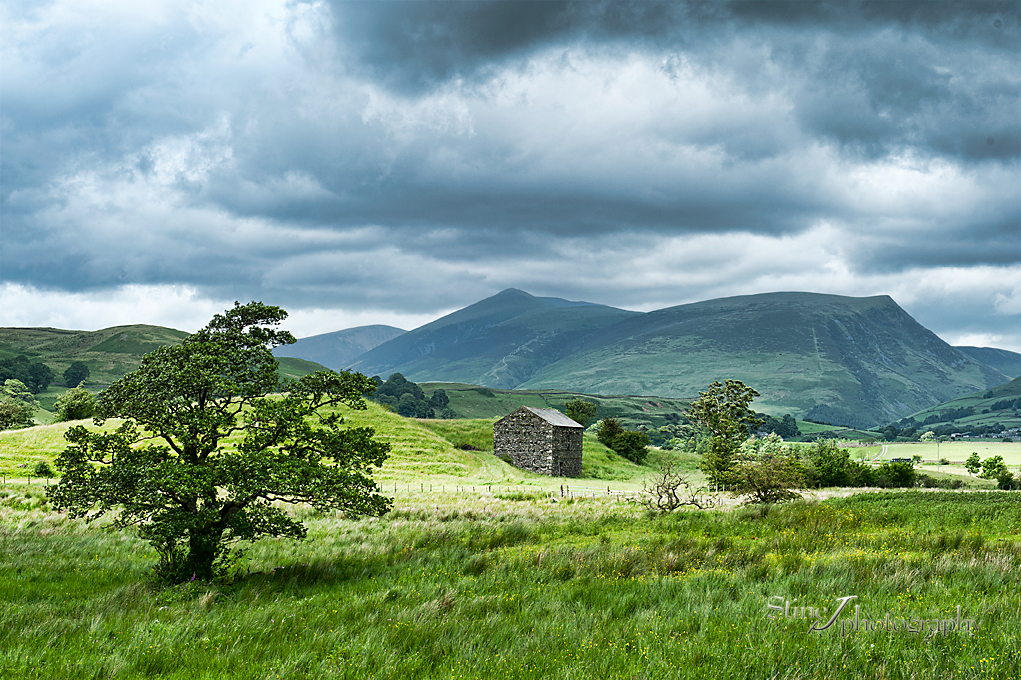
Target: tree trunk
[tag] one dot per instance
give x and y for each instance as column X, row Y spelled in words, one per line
column 203, row 546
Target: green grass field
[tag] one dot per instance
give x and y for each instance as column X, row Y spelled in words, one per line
column 475, row 586
column 486, row 571
column 955, row 452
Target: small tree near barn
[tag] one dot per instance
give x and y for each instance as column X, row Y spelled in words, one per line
column 723, row 410
column 580, row 411
column 216, row 450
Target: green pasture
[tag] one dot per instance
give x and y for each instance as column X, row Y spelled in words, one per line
column 440, row 453
column 955, row 452
column 488, row 585
column 486, row 571
column 981, row 405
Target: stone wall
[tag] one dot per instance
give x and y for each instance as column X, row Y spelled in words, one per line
column 528, row 439
column 537, row 445
column 567, row 443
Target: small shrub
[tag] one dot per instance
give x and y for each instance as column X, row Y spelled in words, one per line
column 43, row 469
column 899, row 474
column 1005, row 481
column 671, row 490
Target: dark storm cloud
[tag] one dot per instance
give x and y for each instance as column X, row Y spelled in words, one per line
column 418, row 155
column 875, row 86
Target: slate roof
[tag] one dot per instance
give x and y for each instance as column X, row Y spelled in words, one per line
column 553, row 417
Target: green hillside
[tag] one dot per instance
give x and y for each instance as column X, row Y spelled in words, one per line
column 474, row 401
column 500, row 342
column 847, row 361
column 997, row 406
column 1004, row 361
column 439, row 452
column 856, row 362
column 292, row 369
column 109, row 353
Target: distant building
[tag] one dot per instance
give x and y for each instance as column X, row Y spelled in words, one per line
column 541, row 440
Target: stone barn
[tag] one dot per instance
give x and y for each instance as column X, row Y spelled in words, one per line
column 540, row 440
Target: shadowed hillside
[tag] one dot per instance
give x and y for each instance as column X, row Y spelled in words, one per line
column 1004, row 361
column 338, row 349
column 501, row 341
column 848, row 361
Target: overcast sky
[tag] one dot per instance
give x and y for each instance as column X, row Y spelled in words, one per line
column 389, row 162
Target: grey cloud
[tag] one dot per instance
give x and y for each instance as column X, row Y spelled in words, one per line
column 394, row 164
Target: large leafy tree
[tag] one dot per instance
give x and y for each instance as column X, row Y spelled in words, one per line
column 208, row 451
column 724, row 412
column 17, row 405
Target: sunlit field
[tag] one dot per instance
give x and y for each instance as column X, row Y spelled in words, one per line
column 481, row 586
column 485, row 571
column 954, row 452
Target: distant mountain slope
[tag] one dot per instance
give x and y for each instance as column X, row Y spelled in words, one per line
column 1004, row 361
column 848, row 361
column 999, row 405
column 110, row 353
column 338, row 349
column 498, row 342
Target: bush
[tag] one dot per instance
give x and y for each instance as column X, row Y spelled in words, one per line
column 900, row 474
column 15, row 414
column 607, row 430
column 76, row 374
column 580, row 411
column 993, row 467
column 406, row 398
column 631, row 445
column 769, row 480
column 43, row 469
column 928, row 482
column 75, row 404
column 830, row 465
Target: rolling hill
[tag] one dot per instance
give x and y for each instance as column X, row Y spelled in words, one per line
column 848, row 361
column 109, row 353
column 338, row 349
column 997, row 406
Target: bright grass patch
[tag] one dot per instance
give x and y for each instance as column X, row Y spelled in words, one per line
column 476, row 586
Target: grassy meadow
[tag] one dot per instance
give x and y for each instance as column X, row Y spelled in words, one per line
column 485, row 571
column 955, row 452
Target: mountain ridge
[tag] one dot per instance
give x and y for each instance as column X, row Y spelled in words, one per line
column 338, row 349
column 862, row 361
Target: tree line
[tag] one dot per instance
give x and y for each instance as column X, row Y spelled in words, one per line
column 407, row 399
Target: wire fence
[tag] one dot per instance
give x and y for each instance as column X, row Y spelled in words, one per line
column 499, row 490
